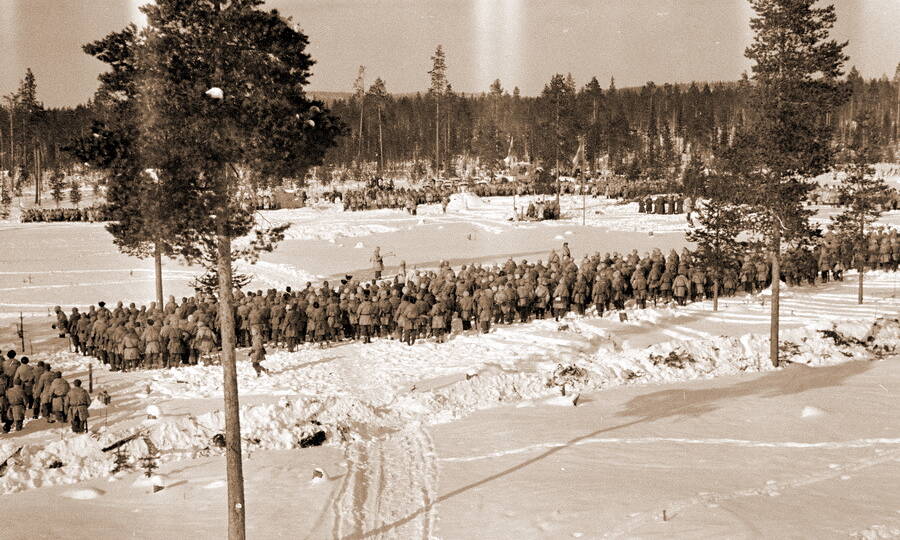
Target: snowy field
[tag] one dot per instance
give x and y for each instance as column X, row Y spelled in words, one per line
column 673, row 410
column 77, row 263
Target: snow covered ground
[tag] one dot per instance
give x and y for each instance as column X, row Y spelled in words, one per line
column 77, row 263
column 589, row 427
column 422, row 439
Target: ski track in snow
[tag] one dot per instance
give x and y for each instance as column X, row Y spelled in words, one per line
column 389, row 489
column 831, row 445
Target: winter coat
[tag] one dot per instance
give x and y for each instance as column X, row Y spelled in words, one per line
column 59, row 388
column 150, row 337
column 15, row 398
column 205, row 341
column 131, row 346
column 365, row 313
column 681, row 285
column 79, row 400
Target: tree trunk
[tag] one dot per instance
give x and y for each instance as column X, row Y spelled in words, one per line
column 36, row 170
column 558, row 205
column 380, row 146
column 234, row 467
column 12, row 140
column 862, row 264
column 859, row 295
column 776, row 290
column 359, row 151
column 716, row 295
column 157, row 267
column 437, row 132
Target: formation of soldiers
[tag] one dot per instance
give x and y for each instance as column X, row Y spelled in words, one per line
column 442, row 301
column 373, row 198
column 664, row 204
column 90, row 213
column 28, row 391
column 540, row 210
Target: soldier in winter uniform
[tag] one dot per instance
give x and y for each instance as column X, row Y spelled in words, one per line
column 15, row 400
column 78, row 401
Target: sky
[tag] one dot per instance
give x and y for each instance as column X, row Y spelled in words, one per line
column 521, row 42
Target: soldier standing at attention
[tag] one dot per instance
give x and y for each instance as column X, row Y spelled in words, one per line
column 377, row 262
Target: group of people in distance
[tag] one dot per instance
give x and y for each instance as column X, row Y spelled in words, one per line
column 435, row 303
column 378, row 196
column 90, row 213
column 665, row 204
column 39, row 391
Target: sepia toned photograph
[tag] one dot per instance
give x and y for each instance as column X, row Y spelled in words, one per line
column 449, row 269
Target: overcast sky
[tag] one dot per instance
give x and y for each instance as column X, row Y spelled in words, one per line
column 521, row 42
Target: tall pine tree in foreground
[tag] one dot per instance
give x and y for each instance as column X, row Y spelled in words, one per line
column 864, row 193
column 137, row 201
column 219, row 88
column 796, row 70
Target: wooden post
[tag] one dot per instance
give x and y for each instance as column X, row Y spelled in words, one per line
column 22, row 331
column 90, row 378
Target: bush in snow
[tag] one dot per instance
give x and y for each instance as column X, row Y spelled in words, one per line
column 568, row 375
column 675, row 359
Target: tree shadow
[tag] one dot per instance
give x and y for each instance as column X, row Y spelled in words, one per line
column 406, row 519
column 669, row 403
column 693, row 403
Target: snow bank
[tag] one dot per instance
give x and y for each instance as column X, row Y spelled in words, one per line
column 83, row 494
column 466, row 201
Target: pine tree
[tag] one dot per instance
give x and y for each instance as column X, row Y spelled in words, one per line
column 694, row 179
column 379, row 95
column 863, row 191
column 137, row 203
column 359, row 93
column 558, row 98
column 74, row 193
column 795, row 75
column 57, row 184
column 437, row 89
column 5, row 200
column 223, row 84
column 719, row 223
column 31, row 112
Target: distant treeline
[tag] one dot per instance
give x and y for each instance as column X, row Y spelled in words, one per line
column 647, row 131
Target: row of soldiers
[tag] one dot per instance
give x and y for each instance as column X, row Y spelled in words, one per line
column 39, row 391
column 664, row 204
column 90, row 213
column 836, row 254
column 431, row 303
column 373, row 198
